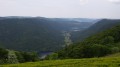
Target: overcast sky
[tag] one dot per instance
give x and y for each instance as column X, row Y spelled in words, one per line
column 61, row 8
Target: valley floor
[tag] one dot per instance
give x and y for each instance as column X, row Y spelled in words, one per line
column 90, row 62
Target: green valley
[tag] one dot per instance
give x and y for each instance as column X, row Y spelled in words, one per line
column 23, row 39
column 59, row 33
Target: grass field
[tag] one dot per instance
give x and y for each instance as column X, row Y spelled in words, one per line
column 108, row 61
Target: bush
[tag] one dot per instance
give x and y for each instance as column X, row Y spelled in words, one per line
column 52, row 56
column 3, row 53
column 27, row 56
column 3, row 56
column 115, row 50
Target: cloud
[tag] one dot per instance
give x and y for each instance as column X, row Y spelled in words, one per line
column 83, row 2
column 115, row 1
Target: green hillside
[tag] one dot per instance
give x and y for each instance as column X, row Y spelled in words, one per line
column 91, row 62
column 35, row 33
column 98, row 27
column 101, row 44
column 98, row 50
column 29, row 34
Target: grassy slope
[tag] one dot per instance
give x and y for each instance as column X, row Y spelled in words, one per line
column 108, row 61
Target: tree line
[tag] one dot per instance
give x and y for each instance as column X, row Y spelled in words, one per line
column 98, row 45
column 17, row 56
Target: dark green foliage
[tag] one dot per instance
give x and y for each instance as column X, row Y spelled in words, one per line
column 96, row 50
column 3, row 53
column 30, row 56
column 20, row 57
column 115, row 49
column 98, row 45
column 86, row 51
column 52, row 56
column 27, row 56
column 12, row 57
column 27, row 34
column 108, row 39
column 3, row 56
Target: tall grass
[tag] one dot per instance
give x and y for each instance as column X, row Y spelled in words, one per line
column 86, row 62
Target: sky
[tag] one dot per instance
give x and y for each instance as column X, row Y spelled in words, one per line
column 61, row 8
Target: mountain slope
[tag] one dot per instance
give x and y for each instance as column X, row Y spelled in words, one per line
column 98, row 45
column 35, row 33
column 71, row 25
column 29, row 34
column 95, row 28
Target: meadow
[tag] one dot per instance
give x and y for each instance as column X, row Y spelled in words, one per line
column 108, row 61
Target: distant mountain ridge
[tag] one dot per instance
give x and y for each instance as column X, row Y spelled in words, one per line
column 101, row 25
column 78, row 19
column 35, row 33
column 29, row 34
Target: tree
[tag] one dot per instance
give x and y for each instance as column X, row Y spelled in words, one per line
column 115, row 50
column 30, row 56
column 20, row 57
column 27, row 56
column 52, row 56
column 99, row 50
column 108, row 40
column 3, row 53
column 3, row 56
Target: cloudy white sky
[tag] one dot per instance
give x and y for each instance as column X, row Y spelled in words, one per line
column 61, row 8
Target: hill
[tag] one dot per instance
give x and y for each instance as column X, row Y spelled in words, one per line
column 101, row 44
column 99, row 26
column 35, row 33
column 29, row 34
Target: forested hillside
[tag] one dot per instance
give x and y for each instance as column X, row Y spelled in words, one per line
column 101, row 44
column 29, row 34
column 35, row 33
column 101, row 25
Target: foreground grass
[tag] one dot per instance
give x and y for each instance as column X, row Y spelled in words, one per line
column 91, row 62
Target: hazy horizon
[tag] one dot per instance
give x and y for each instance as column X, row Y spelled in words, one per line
column 61, row 8
column 57, row 17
